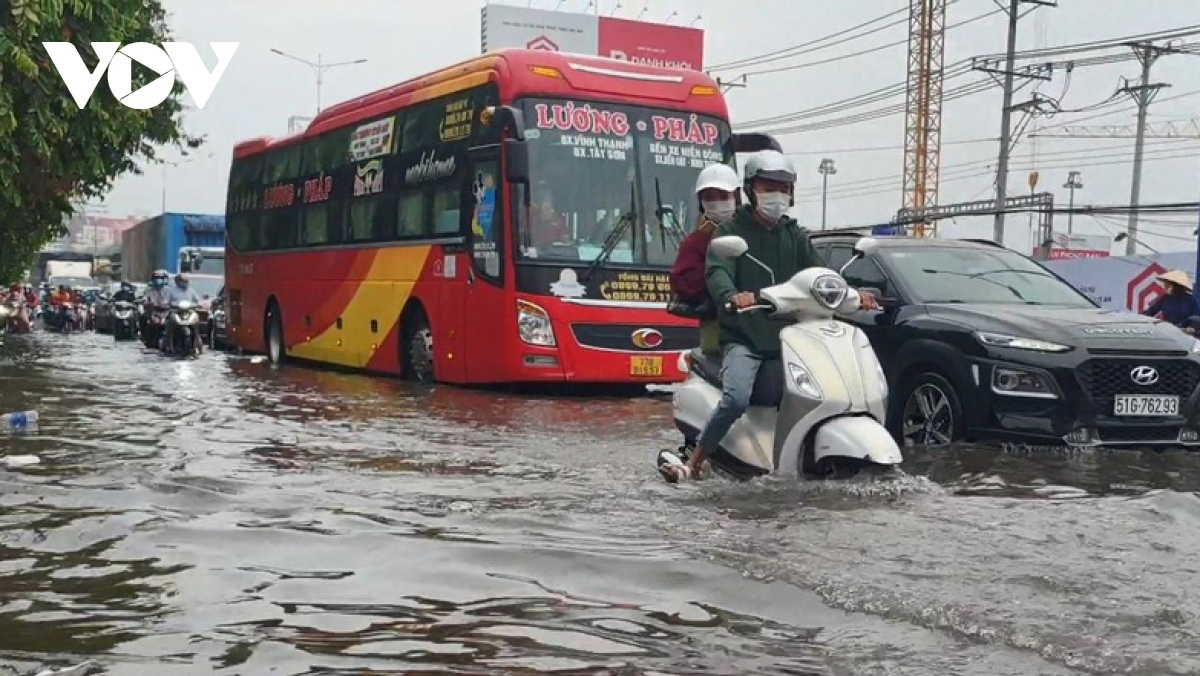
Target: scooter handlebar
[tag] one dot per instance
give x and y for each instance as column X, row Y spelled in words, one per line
column 759, row 305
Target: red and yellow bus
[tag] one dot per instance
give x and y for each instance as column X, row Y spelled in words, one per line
column 510, row 219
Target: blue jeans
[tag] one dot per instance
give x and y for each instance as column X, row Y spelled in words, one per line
column 739, row 369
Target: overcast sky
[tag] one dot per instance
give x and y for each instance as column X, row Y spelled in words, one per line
column 400, row 40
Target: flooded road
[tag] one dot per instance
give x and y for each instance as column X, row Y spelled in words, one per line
column 219, row 516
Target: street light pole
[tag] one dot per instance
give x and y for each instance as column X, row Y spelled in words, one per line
column 1074, row 182
column 827, row 169
column 318, row 67
column 1134, row 241
column 180, row 163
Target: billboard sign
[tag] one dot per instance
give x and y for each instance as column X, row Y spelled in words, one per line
column 1070, row 246
column 1124, row 283
column 508, row 27
column 650, row 44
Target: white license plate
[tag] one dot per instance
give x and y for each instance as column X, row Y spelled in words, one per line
column 1145, row 405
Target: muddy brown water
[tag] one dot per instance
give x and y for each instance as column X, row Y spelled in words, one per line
column 220, row 516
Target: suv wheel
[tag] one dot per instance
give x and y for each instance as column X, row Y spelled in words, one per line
column 931, row 413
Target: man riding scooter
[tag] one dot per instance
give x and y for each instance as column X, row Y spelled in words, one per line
column 18, row 317
column 181, row 292
column 157, row 301
column 778, row 249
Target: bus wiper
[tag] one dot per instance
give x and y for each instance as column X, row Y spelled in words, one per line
column 614, row 236
column 665, row 228
column 974, row 275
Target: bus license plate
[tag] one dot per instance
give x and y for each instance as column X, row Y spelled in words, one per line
column 1145, row 405
column 645, row 366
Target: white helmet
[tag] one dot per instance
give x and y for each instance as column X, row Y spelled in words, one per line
column 771, row 165
column 719, row 176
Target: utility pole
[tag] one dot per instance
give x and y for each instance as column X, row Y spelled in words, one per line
column 1013, row 8
column 1074, row 182
column 738, row 82
column 1142, row 93
column 827, row 169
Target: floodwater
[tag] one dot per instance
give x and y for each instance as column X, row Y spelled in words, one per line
column 219, row 516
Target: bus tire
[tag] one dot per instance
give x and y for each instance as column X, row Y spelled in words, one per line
column 416, row 347
column 276, row 348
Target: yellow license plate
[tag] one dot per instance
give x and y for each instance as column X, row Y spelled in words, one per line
column 645, row 366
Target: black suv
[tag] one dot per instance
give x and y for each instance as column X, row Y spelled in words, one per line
column 982, row 343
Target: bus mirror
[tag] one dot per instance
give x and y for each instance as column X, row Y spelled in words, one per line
column 516, row 161
column 753, row 143
column 508, row 117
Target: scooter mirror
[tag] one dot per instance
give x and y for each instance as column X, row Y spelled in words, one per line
column 866, row 246
column 729, row 246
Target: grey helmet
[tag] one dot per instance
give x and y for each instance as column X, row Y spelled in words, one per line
column 771, row 165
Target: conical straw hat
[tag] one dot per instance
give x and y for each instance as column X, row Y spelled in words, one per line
column 1178, row 277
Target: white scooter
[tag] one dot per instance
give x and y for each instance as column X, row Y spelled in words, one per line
column 820, row 409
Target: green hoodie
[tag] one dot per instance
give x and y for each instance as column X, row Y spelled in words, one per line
column 786, row 250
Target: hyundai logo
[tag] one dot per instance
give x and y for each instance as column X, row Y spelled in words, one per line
column 1144, row 375
column 647, row 339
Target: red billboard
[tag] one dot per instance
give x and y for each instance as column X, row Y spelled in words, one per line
column 1069, row 254
column 651, row 44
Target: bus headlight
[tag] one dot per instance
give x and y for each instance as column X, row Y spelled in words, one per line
column 533, row 325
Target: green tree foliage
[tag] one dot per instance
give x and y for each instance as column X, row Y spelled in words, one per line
column 52, row 154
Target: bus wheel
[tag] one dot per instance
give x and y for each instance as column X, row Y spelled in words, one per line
column 418, row 348
column 276, row 350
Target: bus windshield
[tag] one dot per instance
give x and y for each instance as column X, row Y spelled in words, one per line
column 597, row 168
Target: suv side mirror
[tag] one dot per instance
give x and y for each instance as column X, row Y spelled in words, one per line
column 729, row 246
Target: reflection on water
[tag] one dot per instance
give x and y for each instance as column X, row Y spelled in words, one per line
column 222, row 516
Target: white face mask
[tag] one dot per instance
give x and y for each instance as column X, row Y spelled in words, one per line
column 772, row 205
column 719, row 211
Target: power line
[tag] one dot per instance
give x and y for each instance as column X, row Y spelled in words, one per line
column 801, row 48
column 1086, row 154
column 958, row 70
column 982, row 169
column 862, row 52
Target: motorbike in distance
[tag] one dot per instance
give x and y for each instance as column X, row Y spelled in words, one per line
column 125, row 320
column 154, row 324
column 61, row 318
column 183, row 331
column 820, row 415
column 15, row 316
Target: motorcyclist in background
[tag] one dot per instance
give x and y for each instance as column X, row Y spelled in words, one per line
column 180, row 292
column 21, row 319
column 157, row 298
column 125, row 293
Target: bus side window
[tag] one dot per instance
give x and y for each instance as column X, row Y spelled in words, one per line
column 413, row 210
column 446, row 214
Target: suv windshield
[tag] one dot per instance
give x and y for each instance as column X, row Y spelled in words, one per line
column 958, row 275
column 597, row 167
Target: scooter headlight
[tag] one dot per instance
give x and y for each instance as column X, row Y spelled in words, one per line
column 803, row 380
column 4, row 311
column 830, row 290
column 533, row 325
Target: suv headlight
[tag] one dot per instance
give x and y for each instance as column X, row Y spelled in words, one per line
column 1019, row 343
column 1014, row 382
column 533, row 325
column 1196, row 346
